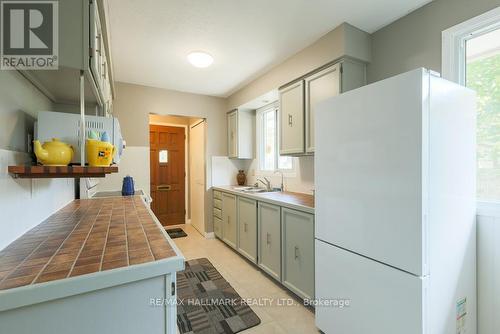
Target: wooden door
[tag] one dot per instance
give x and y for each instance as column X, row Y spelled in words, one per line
column 167, row 172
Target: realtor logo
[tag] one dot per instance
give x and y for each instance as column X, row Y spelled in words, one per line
column 29, row 35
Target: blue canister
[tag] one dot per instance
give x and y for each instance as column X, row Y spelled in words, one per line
column 128, row 186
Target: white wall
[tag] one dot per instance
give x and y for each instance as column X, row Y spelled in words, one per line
column 23, row 203
column 301, row 180
column 132, row 107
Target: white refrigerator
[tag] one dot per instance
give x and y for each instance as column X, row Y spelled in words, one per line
column 395, row 227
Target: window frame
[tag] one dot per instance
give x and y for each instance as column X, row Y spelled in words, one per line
column 454, row 62
column 259, row 141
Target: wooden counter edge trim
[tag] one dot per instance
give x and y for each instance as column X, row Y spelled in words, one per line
column 256, row 197
column 71, row 286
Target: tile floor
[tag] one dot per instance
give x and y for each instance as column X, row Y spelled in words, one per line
column 250, row 282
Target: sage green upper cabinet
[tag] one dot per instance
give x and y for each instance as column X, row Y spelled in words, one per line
column 269, row 242
column 83, row 48
column 299, row 100
column 298, row 252
column 319, row 87
column 292, row 119
column 229, row 219
column 247, row 228
column 240, row 134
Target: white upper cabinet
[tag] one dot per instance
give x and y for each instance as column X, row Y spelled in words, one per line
column 292, row 119
column 298, row 101
column 240, row 134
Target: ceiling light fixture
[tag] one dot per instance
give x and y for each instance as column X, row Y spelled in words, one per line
column 200, row 59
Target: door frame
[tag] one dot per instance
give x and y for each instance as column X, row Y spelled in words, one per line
column 186, row 164
column 208, row 235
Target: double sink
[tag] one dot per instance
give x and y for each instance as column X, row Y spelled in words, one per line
column 253, row 190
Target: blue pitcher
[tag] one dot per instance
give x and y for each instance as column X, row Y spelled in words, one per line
column 128, row 186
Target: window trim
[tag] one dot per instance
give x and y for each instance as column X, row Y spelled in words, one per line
column 453, row 43
column 453, row 65
column 259, row 133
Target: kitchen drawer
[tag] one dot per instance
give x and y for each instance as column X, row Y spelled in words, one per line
column 218, row 227
column 217, row 194
column 217, row 203
column 218, row 213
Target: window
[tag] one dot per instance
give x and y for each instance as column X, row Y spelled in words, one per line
column 267, row 141
column 482, row 73
column 471, row 57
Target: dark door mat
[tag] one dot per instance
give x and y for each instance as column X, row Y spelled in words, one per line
column 176, row 233
column 208, row 304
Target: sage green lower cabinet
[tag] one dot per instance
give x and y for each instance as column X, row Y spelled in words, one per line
column 298, row 252
column 269, row 240
column 247, row 228
column 229, row 219
column 218, row 227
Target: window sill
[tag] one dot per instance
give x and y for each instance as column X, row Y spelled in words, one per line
column 489, row 209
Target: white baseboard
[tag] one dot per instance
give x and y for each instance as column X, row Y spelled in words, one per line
column 210, row 235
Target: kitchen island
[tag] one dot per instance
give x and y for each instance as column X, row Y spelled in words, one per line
column 96, row 266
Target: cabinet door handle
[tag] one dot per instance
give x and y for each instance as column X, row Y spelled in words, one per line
column 104, row 70
column 228, row 219
column 296, row 252
column 268, row 239
column 245, row 227
column 97, row 49
column 290, row 120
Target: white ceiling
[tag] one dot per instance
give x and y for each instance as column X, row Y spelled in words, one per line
column 150, row 39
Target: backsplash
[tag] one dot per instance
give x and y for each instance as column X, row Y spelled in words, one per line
column 300, row 180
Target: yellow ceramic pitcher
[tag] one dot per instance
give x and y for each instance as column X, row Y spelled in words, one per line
column 99, row 153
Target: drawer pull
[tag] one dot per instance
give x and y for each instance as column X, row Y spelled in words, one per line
column 296, row 252
column 290, row 120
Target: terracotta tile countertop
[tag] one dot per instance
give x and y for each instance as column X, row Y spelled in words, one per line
column 86, row 236
column 298, row 201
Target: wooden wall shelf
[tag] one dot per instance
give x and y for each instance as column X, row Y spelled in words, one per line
column 55, row 172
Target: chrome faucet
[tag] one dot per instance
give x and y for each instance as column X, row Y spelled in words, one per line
column 267, row 183
column 282, row 188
